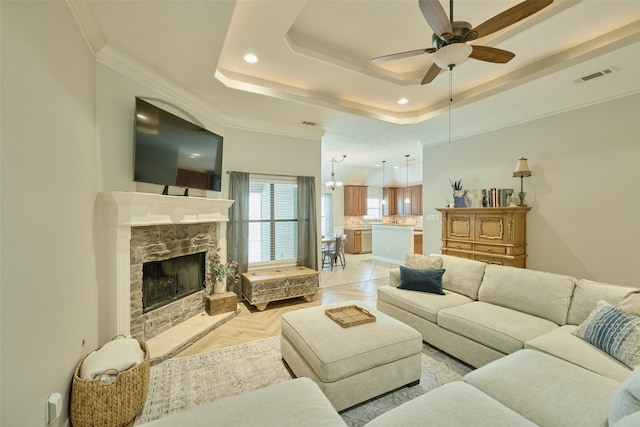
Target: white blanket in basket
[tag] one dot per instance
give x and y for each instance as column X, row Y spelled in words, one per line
column 115, row 356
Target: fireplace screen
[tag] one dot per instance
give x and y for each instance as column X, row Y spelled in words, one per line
column 166, row 281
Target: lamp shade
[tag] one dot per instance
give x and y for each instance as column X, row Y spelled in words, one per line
column 522, row 168
column 451, row 54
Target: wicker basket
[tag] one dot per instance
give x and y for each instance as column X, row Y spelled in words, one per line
column 96, row 404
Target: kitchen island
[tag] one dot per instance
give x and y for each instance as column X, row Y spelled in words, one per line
column 391, row 242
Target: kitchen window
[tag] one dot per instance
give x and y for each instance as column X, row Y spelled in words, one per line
column 373, row 209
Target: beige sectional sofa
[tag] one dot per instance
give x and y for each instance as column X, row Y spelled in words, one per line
column 515, row 325
column 489, row 311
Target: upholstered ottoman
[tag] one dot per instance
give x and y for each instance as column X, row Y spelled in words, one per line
column 354, row 364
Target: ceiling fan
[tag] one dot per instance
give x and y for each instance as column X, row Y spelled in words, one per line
column 450, row 37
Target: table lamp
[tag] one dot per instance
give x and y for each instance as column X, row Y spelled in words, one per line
column 522, row 170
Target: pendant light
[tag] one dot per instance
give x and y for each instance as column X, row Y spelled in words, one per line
column 383, row 162
column 406, row 189
column 333, row 184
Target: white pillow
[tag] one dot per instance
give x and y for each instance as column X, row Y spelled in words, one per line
column 120, row 354
column 626, row 401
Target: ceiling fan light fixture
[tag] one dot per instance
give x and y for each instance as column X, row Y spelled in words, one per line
column 451, row 55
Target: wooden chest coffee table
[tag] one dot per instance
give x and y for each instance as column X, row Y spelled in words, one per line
column 263, row 286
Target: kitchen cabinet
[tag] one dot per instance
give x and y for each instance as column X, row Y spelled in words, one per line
column 355, row 200
column 389, row 198
column 353, row 244
column 358, row 241
column 492, row 235
column 396, row 200
column 417, row 242
column 416, row 200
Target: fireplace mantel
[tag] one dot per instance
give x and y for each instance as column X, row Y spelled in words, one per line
column 124, row 210
column 139, row 209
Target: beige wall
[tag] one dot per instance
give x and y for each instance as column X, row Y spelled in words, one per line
column 49, row 184
column 584, row 189
column 67, row 129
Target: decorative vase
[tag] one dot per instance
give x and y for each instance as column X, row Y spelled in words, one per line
column 459, row 199
column 220, row 286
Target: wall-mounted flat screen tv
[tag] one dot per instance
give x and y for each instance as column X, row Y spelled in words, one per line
column 171, row 151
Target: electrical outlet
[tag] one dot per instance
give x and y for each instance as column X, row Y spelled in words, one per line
column 54, row 407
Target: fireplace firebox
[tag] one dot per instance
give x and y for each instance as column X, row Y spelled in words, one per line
column 166, row 281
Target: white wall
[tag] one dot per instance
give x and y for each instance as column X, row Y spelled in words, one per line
column 584, row 190
column 49, row 184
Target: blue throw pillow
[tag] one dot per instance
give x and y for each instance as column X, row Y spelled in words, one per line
column 614, row 332
column 421, row 280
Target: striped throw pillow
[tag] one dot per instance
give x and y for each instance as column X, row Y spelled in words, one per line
column 614, row 332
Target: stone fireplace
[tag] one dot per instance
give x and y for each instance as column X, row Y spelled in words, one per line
column 147, row 228
column 174, row 258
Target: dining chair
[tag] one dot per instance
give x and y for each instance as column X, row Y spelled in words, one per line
column 329, row 253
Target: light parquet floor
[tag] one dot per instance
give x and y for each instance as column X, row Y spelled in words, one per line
column 359, row 280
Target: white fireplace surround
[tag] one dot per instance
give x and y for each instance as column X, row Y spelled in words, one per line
column 131, row 209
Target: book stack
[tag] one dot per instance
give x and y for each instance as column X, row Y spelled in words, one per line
column 496, row 197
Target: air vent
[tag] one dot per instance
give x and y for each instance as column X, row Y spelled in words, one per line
column 308, row 123
column 596, row 75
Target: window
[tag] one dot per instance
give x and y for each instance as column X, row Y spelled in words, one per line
column 273, row 220
column 373, row 209
column 326, row 214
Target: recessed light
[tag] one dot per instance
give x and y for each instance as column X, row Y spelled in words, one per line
column 250, row 58
column 403, row 101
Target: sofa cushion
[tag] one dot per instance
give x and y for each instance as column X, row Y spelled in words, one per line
column 562, row 343
column 494, row 326
column 394, row 277
column 421, row 280
column 613, row 331
column 422, row 262
column 630, row 304
column 631, row 420
column 627, row 399
column 546, row 390
column 462, row 276
column 587, row 294
column 421, row 304
column 288, row 403
column 545, row 295
column 453, row 404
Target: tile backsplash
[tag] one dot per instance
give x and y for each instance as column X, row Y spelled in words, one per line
column 358, row 221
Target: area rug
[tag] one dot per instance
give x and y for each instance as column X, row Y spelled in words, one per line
column 182, row 383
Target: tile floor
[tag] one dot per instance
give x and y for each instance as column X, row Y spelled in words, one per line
column 359, row 268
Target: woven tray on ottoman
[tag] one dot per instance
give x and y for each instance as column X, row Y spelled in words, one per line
column 96, row 404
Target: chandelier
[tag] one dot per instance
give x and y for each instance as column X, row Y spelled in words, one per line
column 333, row 184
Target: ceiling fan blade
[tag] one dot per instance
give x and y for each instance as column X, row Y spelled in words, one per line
column 491, row 54
column 509, row 16
column 432, row 73
column 436, row 17
column 400, row 55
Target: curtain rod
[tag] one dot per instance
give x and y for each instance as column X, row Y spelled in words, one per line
column 267, row 174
